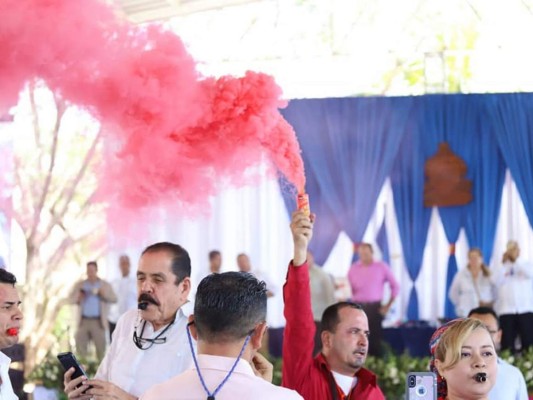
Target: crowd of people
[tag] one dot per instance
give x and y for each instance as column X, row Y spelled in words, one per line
column 509, row 290
column 163, row 347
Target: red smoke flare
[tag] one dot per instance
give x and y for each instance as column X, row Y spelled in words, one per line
column 180, row 136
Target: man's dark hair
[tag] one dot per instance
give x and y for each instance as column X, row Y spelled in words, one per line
column 330, row 317
column 181, row 262
column 485, row 311
column 7, row 277
column 229, row 306
column 368, row 245
column 93, row 263
column 213, row 254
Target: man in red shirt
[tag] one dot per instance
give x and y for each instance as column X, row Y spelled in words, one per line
column 336, row 373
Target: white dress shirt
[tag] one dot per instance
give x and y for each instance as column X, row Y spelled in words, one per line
column 272, row 288
column 466, row 292
column 126, row 290
column 515, row 283
column 322, row 291
column 242, row 384
column 135, row 370
column 510, row 383
column 270, row 285
column 6, row 390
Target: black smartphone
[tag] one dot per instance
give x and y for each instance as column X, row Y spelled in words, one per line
column 421, row 386
column 68, row 360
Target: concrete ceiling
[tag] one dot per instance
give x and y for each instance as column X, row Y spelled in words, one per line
column 140, row 11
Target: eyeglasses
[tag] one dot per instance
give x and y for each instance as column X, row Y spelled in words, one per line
column 141, row 342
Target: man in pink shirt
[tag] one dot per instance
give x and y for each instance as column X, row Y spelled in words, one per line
column 367, row 279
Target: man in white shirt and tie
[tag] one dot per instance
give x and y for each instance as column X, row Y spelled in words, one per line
column 150, row 344
column 10, row 318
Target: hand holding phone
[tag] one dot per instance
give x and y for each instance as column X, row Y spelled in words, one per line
column 421, row 386
column 68, row 360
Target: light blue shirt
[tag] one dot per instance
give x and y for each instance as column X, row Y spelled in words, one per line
column 510, row 384
column 91, row 302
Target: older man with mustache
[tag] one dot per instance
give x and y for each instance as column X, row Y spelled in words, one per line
column 149, row 345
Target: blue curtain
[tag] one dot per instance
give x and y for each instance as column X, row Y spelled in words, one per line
column 512, row 117
column 326, row 229
column 350, row 145
column 451, row 119
column 383, row 242
column 488, row 174
column 407, row 180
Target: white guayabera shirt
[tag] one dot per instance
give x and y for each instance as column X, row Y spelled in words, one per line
column 135, row 370
column 6, row 390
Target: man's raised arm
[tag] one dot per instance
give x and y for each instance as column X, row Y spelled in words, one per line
column 298, row 338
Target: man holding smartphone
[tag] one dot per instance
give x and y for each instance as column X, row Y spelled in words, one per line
column 149, row 345
column 93, row 296
column 10, row 318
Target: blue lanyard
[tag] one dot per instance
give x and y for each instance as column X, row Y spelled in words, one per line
column 211, row 396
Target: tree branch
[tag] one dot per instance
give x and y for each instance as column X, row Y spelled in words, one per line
column 86, row 204
column 35, row 115
column 64, row 246
column 26, row 202
column 60, row 106
column 68, row 191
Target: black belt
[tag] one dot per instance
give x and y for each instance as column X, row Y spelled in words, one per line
column 83, row 317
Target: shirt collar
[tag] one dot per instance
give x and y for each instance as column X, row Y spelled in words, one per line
column 149, row 329
column 363, row 375
column 206, row 361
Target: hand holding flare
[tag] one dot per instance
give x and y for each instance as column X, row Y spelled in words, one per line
column 303, row 203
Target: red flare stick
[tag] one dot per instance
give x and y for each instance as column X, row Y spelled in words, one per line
column 303, row 203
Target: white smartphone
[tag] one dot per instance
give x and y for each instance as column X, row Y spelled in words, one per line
column 421, row 386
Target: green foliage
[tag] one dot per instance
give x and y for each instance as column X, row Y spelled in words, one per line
column 277, row 362
column 49, row 373
column 440, row 57
column 392, row 370
column 524, row 363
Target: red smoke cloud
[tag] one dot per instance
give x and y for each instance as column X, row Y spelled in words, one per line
column 180, row 136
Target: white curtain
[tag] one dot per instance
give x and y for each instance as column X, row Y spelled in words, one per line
column 253, row 220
